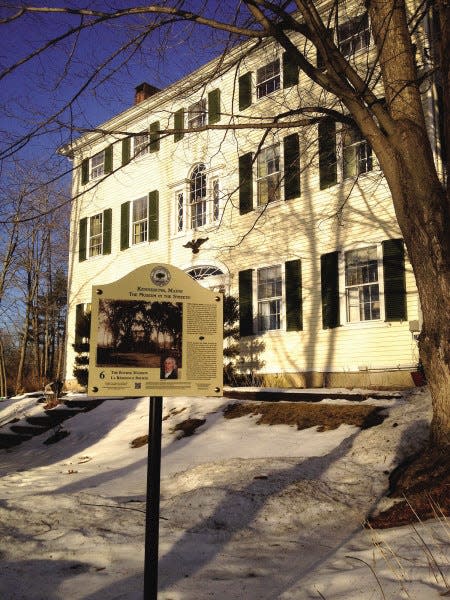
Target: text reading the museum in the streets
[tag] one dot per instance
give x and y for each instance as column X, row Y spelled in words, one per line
column 156, row 294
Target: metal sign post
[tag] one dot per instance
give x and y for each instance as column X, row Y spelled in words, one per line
column 153, row 492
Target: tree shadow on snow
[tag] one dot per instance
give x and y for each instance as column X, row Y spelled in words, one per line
column 188, row 557
column 36, row 579
column 179, row 562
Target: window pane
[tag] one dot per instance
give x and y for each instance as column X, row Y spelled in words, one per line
column 198, row 196
column 141, row 143
column 98, row 165
column 268, row 79
column 140, row 220
column 198, row 214
column 180, row 211
column 216, row 200
column 268, row 174
column 354, row 35
column 95, row 235
column 269, row 298
column 197, row 114
column 357, row 154
column 362, row 289
column 269, row 315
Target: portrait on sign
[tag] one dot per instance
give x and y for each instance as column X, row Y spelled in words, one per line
column 136, row 333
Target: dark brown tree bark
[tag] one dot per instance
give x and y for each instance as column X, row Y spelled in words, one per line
column 420, row 200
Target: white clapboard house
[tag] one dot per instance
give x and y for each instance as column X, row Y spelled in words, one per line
column 297, row 222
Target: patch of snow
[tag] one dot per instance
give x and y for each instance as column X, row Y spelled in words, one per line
column 247, row 511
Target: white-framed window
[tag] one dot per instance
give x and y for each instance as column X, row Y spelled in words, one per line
column 354, row 35
column 203, row 271
column 343, row 153
column 215, row 199
column 97, row 165
column 270, row 296
column 96, row 235
column 268, row 79
column 197, row 204
column 268, row 174
column 356, row 152
column 198, row 197
column 209, row 277
column 197, row 114
column 180, row 211
column 141, row 143
column 363, row 284
column 139, row 221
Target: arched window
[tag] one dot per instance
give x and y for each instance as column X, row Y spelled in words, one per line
column 210, row 277
column 198, row 203
column 203, row 271
column 197, row 196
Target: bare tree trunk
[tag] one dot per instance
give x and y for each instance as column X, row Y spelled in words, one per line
column 23, row 351
column 3, row 383
column 420, row 200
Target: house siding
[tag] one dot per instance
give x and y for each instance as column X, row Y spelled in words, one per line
column 342, row 217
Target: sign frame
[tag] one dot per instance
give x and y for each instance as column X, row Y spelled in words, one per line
column 156, row 332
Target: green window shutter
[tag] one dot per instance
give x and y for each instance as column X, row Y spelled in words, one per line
column 245, row 183
column 125, row 226
column 153, row 216
column 290, row 71
column 245, row 91
column 178, row 125
column 85, row 171
column 107, row 222
column 79, row 314
column 293, row 290
column 330, row 290
column 394, row 280
column 214, row 106
column 327, row 153
column 320, row 63
column 109, row 159
column 155, row 131
column 82, row 240
column 246, row 302
column 291, row 167
column 126, row 151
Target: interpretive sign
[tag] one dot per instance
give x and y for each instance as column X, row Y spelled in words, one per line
column 156, row 332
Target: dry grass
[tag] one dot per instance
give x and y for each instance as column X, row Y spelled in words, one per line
column 139, row 441
column 304, row 415
column 188, row 427
column 423, row 483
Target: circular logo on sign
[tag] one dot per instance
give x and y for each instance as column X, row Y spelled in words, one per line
column 160, row 276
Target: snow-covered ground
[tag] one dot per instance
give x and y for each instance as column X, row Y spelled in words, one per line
column 247, row 511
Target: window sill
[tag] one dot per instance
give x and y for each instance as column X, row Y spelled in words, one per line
column 374, row 324
column 352, row 178
column 96, row 257
column 263, row 207
column 138, row 157
column 271, row 332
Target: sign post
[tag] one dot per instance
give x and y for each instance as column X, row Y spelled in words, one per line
column 156, row 332
column 152, row 507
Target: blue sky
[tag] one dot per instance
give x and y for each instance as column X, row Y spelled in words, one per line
column 43, row 85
